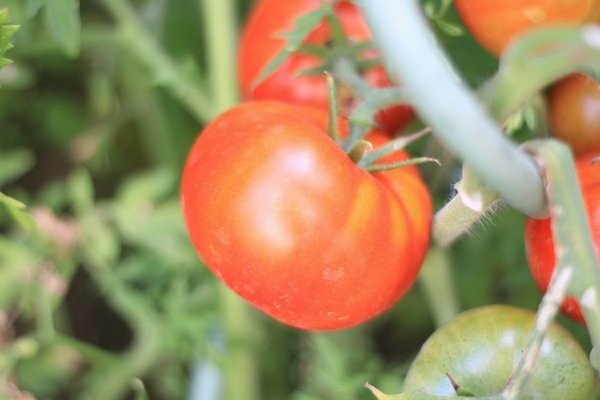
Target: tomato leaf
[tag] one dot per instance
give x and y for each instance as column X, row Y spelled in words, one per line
column 16, row 210
column 6, row 32
column 449, row 28
column 302, row 28
column 64, row 25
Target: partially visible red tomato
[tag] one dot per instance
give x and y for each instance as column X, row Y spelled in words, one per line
column 574, row 108
column 538, row 233
column 496, row 23
column 281, row 214
column 261, row 42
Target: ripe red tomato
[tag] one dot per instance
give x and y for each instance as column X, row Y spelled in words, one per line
column 261, row 42
column 495, row 23
column 281, row 214
column 481, row 348
column 538, row 233
column 574, row 108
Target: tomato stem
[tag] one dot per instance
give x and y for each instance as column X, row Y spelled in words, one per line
column 538, row 59
column 333, row 109
column 392, row 147
column 413, row 161
column 472, row 201
column 453, row 111
column 111, row 382
column 170, row 75
column 546, row 313
column 571, row 233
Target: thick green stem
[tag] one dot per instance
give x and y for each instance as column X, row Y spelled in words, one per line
column 450, row 108
column 188, row 91
column 537, row 60
column 532, row 63
column 573, row 242
column 240, row 364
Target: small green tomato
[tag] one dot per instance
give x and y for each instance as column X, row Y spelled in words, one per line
column 477, row 352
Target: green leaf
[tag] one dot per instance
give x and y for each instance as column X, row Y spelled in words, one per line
column 64, row 24
column 6, row 32
column 303, row 26
column 14, row 164
column 16, row 210
column 449, row 28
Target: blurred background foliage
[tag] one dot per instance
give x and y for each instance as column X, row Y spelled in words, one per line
column 101, row 293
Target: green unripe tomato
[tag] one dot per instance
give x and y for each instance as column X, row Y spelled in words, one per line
column 481, row 348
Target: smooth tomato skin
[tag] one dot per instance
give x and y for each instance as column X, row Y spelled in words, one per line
column 261, row 42
column 279, row 213
column 480, row 349
column 496, row 23
column 539, row 245
column 574, row 111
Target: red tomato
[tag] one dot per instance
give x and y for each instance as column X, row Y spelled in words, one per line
column 495, row 23
column 280, row 213
column 574, row 108
column 261, row 42
column 538, row 233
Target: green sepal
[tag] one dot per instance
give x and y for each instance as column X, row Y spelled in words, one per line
column 303, row 27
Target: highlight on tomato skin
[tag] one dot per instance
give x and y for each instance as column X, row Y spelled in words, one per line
column 261, row 41
column 574, row 112
column 282, row 216
column 539, row 244
column 496, row 23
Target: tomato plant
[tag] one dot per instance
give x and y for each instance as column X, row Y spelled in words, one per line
column 574, row 108
column 261, row 42
column 494, row 24
column 480, row 349
column 281, row 214
column 538, row 233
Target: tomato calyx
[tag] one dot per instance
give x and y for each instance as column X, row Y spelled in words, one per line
column 460, row 390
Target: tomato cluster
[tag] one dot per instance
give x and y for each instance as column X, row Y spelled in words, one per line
column 279, row 212
column 261, row 42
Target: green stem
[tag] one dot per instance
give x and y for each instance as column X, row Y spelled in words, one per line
column 241, row 370
column 573, row 242
column 436, row 281
column 392, row 146
column 110, row 381
column 333, row 109
column 455, row 218
column 529, row 65
column 187, row 90
column 545, row 315
column 240, row 366
column 400, row 164
column 449, row 107
column 220, row 26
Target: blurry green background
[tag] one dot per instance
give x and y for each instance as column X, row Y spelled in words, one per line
column 106, row 298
